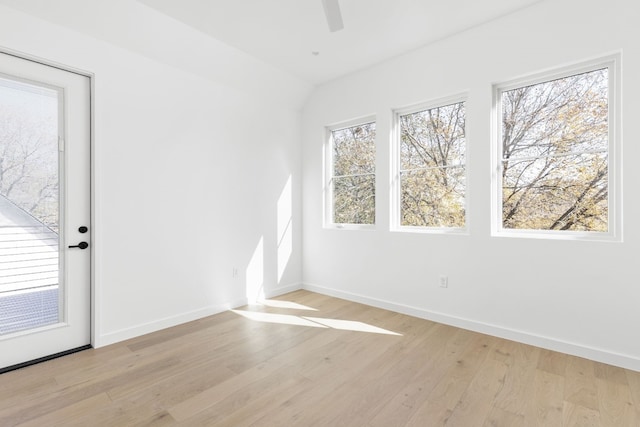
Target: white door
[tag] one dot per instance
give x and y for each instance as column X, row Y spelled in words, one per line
column 45, row 246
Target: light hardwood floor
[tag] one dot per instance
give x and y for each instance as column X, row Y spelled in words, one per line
column 312, row 360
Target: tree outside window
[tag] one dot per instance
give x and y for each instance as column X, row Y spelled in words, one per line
column 432, row 173
column 352, row 180
column 555, row 149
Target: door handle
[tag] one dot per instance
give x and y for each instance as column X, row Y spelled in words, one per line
column 81, row 245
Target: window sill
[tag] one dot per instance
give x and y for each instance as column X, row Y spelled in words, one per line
column 431, row 230
column 352, row 227
column 580, row 236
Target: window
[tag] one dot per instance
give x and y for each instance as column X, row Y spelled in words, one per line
column 351, row 177
column 555, row 151
column 431, row 172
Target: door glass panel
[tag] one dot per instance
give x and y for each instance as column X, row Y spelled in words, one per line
column 29, row 202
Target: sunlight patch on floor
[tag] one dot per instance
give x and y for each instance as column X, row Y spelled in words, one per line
column 351, row 325
column 284, row 304
column 314, row 322
column 285, row 319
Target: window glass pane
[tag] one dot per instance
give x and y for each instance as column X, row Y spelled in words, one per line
column 354, row 150
column 556, row 117
column 555, row 141
column 432, row 172
column 556, row 193
column 354, row 199
column 29, row 201
column 29, row 150
column 433, row 197
column 433, row 137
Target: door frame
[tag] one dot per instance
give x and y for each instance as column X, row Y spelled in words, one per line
column 93, row 290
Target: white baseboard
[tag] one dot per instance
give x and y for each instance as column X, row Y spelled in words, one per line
column 599, row 355
column 156, row 325
column 167, row 322
column 283, row 290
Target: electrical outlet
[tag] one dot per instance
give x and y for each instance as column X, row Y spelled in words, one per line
column 444, row 281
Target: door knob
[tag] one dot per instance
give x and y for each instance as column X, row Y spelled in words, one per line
column 81, row 245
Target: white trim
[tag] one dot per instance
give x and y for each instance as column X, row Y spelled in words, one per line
column 453, row 231
column 327, row 151
column 430, row 104
column 567, row 347
column 560, row 72
column 555, row 156
column 614, row 234
column 396, row 170
column 271, row 293
column 354, row 175
column 43, row 61
column 346, row 124
column 352, row 227
column 167, row 322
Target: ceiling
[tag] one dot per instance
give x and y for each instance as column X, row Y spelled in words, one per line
column 293, row 35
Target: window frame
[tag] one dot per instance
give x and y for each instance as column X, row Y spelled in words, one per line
column 329, row 222
column 614, row 152
column 396, row 169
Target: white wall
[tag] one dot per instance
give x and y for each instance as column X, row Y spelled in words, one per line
column 193, row 155
column 190, row 178
column 577, row 297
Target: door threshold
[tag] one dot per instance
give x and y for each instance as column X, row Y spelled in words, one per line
column 44, row 359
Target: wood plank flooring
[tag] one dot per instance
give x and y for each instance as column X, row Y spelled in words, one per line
column 306, row 359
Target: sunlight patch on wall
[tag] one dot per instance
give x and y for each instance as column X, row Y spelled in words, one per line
column 255, row 274
column 285, row 231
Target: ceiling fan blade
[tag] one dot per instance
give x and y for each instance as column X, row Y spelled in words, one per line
column 334, row 17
